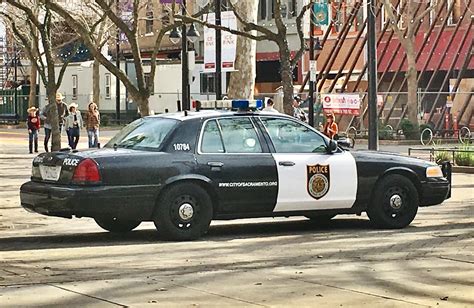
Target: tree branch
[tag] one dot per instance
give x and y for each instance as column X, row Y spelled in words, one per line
column 299, row 29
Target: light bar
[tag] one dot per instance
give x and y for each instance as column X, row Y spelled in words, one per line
column 237, row 104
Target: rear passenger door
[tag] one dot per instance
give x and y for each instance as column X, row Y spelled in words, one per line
column 233, row 154
column 309, row 178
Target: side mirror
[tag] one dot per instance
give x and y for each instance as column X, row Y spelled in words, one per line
column 332, row 146
column 346, row 142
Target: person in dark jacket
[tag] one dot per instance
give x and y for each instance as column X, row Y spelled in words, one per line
column 33, row 123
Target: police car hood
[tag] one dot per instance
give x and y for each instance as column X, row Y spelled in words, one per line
column 388, row 157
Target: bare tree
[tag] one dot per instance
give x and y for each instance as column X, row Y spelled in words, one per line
column 287, row 61
column 409, row 19
column 33, row 25
column 139, row 89
column 242, row 81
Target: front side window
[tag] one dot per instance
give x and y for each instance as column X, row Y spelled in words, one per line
column 143, row 134
column 231, row 135
column 291, row 137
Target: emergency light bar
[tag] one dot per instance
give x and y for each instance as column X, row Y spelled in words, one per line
column 236, row 104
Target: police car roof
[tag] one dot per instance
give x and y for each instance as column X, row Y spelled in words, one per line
column 189, row 115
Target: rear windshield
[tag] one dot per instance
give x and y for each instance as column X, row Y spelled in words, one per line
column 143, row 134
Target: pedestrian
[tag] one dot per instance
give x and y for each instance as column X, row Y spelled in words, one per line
column 269, row 107
column 33, row 123
column 330, row 128
column 73, row 124
column 297, row 111
column 45, row 116
column 92, row 125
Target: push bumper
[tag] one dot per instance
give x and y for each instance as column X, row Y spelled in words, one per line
column 132, row 202
column 435, row 191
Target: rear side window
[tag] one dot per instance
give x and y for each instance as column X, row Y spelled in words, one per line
column 230, row 135
column 292, row 137
column 143, row 134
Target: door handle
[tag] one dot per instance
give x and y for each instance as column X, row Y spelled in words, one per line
column 215, row 164
column 286, row 163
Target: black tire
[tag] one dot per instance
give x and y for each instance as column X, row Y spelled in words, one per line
column 395, row 202
column 320, row 219
column 116, row 225
column 177, row 202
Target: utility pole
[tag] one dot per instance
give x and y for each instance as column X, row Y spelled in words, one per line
column 184, row 63
column 218, row 52
column 372, row 72
column 311, row 61
column 117, row 63
column 15, row 58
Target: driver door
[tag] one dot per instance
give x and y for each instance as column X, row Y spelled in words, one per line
column 309, row 178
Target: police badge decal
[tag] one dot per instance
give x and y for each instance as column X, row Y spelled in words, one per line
column 318, row 180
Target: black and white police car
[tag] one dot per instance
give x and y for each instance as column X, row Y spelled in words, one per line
column 185, row 169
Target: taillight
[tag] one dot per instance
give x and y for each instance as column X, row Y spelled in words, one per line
column 87, row 172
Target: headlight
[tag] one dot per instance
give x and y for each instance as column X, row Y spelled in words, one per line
column 434, row 172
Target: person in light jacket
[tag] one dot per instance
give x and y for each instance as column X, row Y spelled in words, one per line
column 73, row 124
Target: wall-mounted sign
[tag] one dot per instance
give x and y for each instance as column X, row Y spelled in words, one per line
column 341, row 103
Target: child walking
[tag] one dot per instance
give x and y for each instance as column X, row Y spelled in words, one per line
column 33, row 123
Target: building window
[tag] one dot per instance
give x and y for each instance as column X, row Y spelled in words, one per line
column 262, row 10
column 107, row 86
column 149, row 22
column 74, row 86
column 455, row 15
column 208, row 82
column 147, row 78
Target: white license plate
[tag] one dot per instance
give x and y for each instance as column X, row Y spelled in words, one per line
column 50, row 173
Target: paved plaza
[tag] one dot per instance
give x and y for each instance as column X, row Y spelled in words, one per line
column 48, row 261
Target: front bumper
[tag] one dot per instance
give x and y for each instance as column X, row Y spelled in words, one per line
column 435, row 191
column 131, row 202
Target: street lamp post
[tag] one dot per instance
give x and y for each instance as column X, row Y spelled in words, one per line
column 218, row 52
column 314, row 46
column 184, row 36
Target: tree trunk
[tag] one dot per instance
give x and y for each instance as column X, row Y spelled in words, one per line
column 96, row 83
column 33, row 76
column 53, row 118
column 242, row 81
column 286, row 77
column 412, row 99
column 142, row 103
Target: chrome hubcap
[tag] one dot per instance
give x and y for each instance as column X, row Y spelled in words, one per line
column 396, row 202
column 186, row 211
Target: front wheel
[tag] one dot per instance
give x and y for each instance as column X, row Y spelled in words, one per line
column 116, row 225
column 184, row 212
column 395, row 202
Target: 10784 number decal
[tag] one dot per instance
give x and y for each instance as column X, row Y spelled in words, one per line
column 181, row 147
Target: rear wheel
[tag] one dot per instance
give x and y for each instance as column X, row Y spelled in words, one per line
column 117, row 225
column 184, row 212
column 395, row 202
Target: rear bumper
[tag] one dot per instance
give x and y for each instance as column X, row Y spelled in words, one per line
column 132, row 202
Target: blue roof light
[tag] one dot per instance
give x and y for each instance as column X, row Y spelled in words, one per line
column 246, row 104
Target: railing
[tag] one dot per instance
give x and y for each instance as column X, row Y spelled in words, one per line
column 433, row 151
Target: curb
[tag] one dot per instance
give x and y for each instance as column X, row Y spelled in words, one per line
column 463, row 169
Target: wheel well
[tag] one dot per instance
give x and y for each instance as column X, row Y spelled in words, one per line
column 204, row 185
column 412, row 177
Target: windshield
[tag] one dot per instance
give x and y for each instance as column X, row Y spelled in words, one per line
column 143, row 134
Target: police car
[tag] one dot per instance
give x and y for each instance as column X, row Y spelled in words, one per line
column 185, row 169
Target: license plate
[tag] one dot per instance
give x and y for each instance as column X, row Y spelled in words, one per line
column 50, row 173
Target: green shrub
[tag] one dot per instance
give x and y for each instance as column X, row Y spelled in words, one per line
column 385, row 133
column 410, row 130
column 464, row 158
column 442, row 156
column 104, row 120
